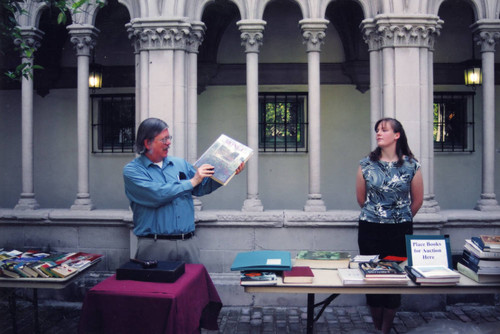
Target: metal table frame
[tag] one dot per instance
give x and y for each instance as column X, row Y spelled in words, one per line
column 328, row 282
column 35, row 284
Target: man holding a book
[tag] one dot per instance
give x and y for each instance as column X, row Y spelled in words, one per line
column 160, row 190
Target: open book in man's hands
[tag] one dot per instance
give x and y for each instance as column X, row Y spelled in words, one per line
column 226, row 155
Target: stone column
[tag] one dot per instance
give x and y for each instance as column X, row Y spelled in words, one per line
column 194, row 41
column 373, row 40
column 162, row 47
column 30, row 36
column 430, row 204
column 137, row 57
column 408, row 86
column 84, row 38
column 313, row 32
column 488, row 34
column 251, row 36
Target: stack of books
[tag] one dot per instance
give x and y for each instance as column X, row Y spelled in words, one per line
column 261, row 267
column 323, row 259
column 383, row 272
column 433, row 275
column 481, row 259
column 355, row 261
column 35, row 264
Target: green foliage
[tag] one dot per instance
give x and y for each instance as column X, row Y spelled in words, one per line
column 279, row 118
column 9, row 28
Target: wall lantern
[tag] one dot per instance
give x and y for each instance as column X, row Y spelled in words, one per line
column 95, row 76
column 473, row 74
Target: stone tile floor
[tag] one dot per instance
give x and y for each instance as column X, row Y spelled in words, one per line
column 61, row 317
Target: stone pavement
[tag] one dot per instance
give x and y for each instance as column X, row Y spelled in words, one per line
column 63, row 317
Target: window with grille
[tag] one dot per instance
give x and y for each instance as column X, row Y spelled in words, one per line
column 113, row 123
column 282, row 122
column 453, row 122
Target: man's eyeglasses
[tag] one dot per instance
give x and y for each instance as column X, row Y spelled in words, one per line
column 165, row 140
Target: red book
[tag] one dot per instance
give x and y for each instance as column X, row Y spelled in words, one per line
column 298, row 275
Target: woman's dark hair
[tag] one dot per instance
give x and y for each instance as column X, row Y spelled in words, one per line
column 148, row 130
column 402, row 147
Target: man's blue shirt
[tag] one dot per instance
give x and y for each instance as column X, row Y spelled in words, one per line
column 161, row 198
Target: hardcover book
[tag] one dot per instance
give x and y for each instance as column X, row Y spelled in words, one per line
column 164, row 272
column 492, row 241
column 418, row 278
column 480, row 278
column 298, row 274
column 323, row 259
column 226, row 155
column 471, row 246
column 258, row 278
column 263, row 260
column 382, row 269
column 351, row 276
column 469, row 257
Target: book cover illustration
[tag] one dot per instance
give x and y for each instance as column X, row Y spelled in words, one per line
column 492, row 241
column 323, row 259
column 258, row 278
column 381, row 268
column 226, row 155
column 323, row 255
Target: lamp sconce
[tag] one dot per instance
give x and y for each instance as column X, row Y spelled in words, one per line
column 95, row 76
column 473, row 74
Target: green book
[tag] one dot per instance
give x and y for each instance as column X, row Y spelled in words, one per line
column 323, row 259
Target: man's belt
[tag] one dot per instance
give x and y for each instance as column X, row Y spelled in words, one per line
column 183, row 236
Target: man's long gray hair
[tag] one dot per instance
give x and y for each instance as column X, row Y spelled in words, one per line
column 148, row 130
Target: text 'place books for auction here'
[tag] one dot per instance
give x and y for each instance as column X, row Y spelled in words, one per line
column 226, row 155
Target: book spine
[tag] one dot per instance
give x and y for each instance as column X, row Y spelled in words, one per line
column 469, row 257
column 478, row 242
column 469, row 265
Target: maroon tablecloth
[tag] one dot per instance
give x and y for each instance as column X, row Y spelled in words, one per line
column 125, row 306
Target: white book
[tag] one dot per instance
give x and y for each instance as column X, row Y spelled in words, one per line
column 226, row 155
column 436, row 271
column 349, row 276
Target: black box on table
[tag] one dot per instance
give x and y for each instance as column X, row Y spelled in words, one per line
column 164, row 272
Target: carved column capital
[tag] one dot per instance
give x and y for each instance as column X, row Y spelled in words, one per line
column 196, row 37
column 487, row 40
column 404, row 35
column 403, row 31
column 313, row 32
column 370, row 35
column 30, row 38
column 83, row 38
column 251, row 34
column 159, row 34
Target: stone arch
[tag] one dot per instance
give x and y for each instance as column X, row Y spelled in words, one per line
column 50, row 53
column 32, row 11
column 477, row 7
column 368, row 8
column 197, row 9
column 133, row 7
